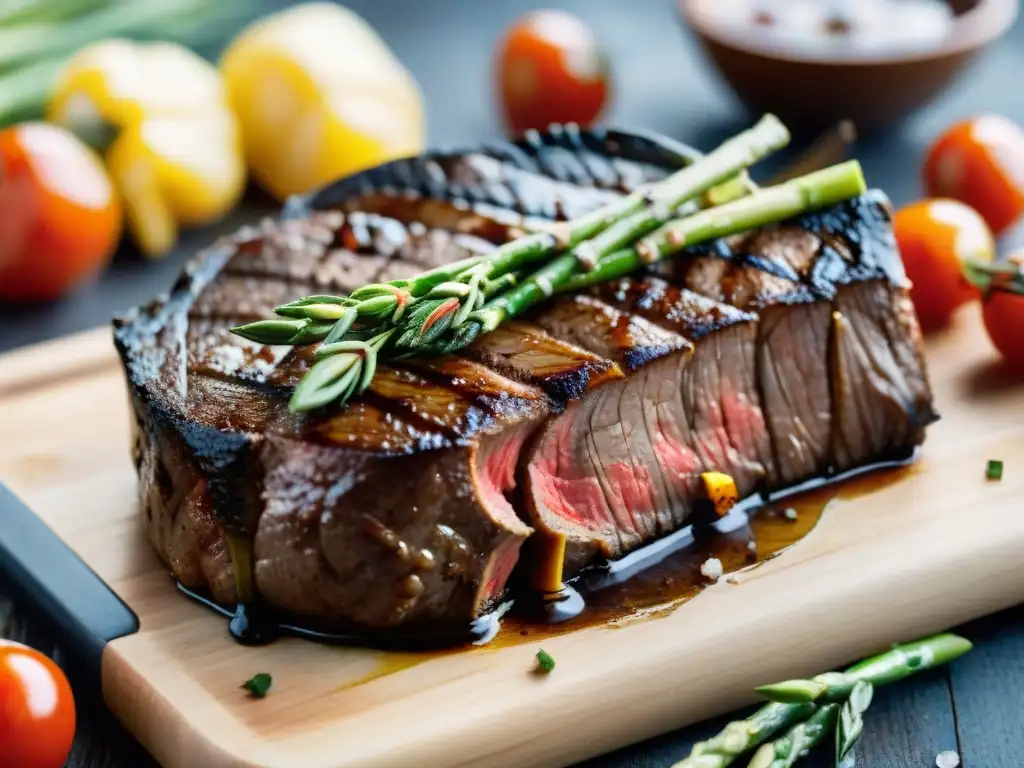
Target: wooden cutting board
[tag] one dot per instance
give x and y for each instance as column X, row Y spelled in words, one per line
column 940, row 546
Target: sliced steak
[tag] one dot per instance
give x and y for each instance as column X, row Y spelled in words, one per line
column 395, row 510
column 594, row 473
column 833, row 398
column 622, row 467
column 778, row 356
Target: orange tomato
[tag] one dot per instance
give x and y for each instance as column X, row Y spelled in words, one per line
column 60, row 218
column 980, row 162
column 550, row 69
column 935, row 237
column 37, row 710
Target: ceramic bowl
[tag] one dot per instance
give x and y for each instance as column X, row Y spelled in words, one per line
column 873, row 90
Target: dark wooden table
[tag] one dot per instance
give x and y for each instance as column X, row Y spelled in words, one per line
column 977, row 706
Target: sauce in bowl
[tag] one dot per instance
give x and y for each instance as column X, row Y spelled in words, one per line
column 833, row 28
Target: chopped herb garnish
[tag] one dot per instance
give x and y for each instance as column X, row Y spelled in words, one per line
column 258, row 684
column 995, row 469
column 545, row 661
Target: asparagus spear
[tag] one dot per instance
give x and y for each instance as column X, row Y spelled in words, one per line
column 793, row 697
column 851, row 718
column 797, row 741
column 772, row 204
column 660, row 200
column 899, row 662
column 769, row 205
column 644, row 209
column 430, row 329
column 742, row 735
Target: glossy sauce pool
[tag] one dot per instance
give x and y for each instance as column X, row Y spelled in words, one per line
column 661, row 587
column 649, row 583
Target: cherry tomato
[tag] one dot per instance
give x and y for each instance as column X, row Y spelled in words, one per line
column 37, row 710
column 60, row 218
column 980, row 162
column 935, row 237
column 551, row 70
column 1003, row 313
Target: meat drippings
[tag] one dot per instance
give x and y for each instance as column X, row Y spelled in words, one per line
column 649, row 583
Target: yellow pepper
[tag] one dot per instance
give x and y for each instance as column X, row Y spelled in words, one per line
column 172, row 144
column 720, row 488
column 319, row 96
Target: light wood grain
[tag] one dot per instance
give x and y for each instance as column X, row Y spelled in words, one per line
column 937, row 548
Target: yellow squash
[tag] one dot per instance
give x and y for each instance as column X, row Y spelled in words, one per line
column 172, row 144
column 319, row 96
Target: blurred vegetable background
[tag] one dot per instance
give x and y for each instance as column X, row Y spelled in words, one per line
column 319, row 96
column 299, row 98
column 38, row 36
column 160, row 114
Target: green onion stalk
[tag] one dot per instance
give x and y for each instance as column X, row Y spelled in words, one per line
column 794, row 702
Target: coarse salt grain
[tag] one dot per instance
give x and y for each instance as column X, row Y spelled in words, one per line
column 947, row 759
column 789, row 513
column 712, row 569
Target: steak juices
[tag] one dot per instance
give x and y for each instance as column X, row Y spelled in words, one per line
column 787, row 354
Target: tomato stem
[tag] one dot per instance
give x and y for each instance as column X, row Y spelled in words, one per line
column 1004, row 275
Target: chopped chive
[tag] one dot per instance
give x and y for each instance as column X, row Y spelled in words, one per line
column 258, row 685
column 545, row 661
column 994, row 470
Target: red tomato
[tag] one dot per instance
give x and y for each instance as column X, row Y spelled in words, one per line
column 935, row 237
column 1003, row 312
column 980, row 162
column 60, row 218
column 37, row 710
column 551, row 70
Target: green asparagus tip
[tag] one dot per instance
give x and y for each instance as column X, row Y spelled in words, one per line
column 792, row 745
column 945, row 647
column 764, row 757
column 793, row 691
column 771, row 123
column 850, row 724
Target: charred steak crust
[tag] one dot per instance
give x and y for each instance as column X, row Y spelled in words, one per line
column 784, row 354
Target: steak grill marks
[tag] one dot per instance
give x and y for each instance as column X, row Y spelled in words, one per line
column 780, row 356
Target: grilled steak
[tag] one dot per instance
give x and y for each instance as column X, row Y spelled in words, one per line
column 784, row 355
